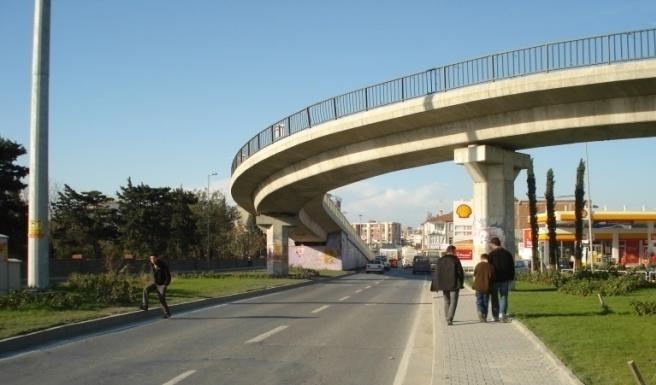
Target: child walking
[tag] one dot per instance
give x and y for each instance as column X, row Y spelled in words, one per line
column 483, row 274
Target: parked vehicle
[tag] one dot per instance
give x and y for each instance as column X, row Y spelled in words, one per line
column 394, row 263
column 522, row 266
column 384, row 261
column 375, row 266
column 421, row 264
column 406, row 262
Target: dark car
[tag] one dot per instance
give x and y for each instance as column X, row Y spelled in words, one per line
column 421, row 264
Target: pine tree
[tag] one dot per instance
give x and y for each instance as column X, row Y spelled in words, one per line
column 13, row 210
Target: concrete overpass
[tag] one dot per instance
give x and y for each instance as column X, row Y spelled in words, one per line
column 477, row 112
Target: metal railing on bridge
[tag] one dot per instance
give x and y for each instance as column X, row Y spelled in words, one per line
column 590, row 51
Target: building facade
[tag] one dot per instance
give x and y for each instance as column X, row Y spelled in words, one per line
column 376, row 234
column 436, row 233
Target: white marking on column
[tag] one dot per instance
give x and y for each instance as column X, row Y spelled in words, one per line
column 266, row 335
column 344, row 298
column 180, row 377
column 322, row 308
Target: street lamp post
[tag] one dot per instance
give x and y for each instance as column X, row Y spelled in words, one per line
column 590, row 235
column 208, row 218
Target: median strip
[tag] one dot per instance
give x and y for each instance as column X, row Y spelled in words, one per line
column 266, row 335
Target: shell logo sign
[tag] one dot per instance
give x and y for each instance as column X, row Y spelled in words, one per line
column 464, row 211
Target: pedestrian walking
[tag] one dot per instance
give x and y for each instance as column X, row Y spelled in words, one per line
column 449, row 277
column 504, row 272
column 483, row 276
column 161, row 280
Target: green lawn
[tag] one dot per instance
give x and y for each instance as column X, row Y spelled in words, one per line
column 15, row 322
column 595, row 346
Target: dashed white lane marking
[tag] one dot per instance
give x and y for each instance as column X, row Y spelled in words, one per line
column 358, row 291
column 344, row 298
column 368, row 287
column 322, row 308
column 266, row 335
column 377, row 282
column 179, row 378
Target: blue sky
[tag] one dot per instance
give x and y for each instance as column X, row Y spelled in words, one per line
column 165, row 91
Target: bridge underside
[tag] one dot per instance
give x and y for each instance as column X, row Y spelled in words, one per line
column 291, row 176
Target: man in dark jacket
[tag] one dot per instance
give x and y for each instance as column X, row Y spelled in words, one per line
column 449, row 277
column 504, row 272
column 161, row 280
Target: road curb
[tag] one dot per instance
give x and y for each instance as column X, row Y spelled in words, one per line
column 565, row 371
column 32, row 340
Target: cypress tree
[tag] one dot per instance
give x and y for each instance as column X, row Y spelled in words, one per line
column 579, row 194
column 551, row 218
column 533, row 211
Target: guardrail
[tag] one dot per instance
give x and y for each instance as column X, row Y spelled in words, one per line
column 590, row 51
column 336, row 214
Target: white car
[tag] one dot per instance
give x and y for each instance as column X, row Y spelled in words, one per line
column 375, row 266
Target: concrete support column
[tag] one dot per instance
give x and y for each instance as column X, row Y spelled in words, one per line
column 493, row 171
column 616, row 247
column 277, row 232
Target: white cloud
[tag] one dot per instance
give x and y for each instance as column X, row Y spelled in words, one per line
column 407, row 205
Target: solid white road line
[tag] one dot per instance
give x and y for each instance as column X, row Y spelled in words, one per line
column 358, row 291
column 180, row 377
column 322, row 308
column 402, row 370
column 266, row 335
column 344, row 298
column 367, row 287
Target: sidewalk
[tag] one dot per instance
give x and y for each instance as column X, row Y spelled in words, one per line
column 470, row 352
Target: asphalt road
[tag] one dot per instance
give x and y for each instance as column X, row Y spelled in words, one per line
column 353, row 330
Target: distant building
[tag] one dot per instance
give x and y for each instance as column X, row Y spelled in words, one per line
column 412, row 236
column 375, row 234
column 437, row 233
column 523, row 224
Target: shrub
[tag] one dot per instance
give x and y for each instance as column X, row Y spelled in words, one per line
column 106, row 289
column 644, row 307
column 606, row 284
column 25, row 300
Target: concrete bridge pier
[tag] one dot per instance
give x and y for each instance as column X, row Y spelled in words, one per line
column 493, row 171
column 277, row 231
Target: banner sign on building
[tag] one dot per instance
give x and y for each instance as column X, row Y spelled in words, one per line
column 528, row 240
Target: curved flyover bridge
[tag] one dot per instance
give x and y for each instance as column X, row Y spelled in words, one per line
column 478, row 112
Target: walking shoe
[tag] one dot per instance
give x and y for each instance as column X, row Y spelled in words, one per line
column 144, row 308
column 166, row 315
column 496, row 319
column 506, row 319
column 449, row 322
column 481, row 318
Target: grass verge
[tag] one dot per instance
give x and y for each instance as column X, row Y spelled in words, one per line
column 596, row 346
column 21, row 321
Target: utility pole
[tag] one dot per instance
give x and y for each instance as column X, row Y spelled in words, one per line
column 208, row 218
column 590, row 235
column 37, row 245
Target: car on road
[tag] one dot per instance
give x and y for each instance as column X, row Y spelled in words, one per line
column 375, row 266
column 384, row 261
column 421, row 264
column 522, row 266
column 406, row 262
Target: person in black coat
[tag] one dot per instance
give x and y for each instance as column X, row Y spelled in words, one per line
column 161, row 280
column 504, row 272
column 449, row 277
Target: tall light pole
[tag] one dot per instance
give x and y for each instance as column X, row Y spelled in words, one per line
column 208, row 217
column 37, row 245
column 590, row 235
